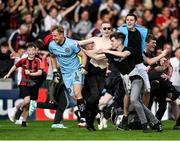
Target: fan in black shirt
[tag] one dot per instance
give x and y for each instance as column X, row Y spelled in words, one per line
column 134, row 40
column 123, row 65
column 121, row 60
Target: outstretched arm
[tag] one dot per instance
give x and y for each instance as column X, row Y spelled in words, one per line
column 10, row 72
column 87, row 41
column 94, row 54
column 71, row 8
column 123, row 54
column 151, row 61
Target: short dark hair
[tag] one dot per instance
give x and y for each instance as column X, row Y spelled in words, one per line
column 51, row 8
column 4, row 44
column 118, row 35
column 31, row 45
column 27, row 13
column 59, row 28
column 132, row 14
column 149, row 38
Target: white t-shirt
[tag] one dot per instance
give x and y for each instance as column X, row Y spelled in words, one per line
column 175, row 78
column 49, row 21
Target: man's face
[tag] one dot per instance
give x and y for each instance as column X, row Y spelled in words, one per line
column 28, row 19
column 58, row 37
column 53, row 13
column 130, row 21
column 151, row 45
column 114, row 43
column 106, row 29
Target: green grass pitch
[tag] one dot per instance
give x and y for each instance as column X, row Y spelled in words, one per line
column 40, row 130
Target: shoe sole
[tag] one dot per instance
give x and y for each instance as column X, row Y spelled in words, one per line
column 82, row 126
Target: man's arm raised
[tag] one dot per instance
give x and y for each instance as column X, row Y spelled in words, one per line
column 87, row 41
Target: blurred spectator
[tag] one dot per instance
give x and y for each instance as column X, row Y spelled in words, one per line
column 95, row 31
column 148, row 4
column 112, row 7
column 168, row 47
column 5, row 61
column 105, row 16
column 175, row 79
column 55, row 17
column 173, row 6
column 175, row 62
column 148, row 19
column 120, row 21
column 140, row 21
column 86, row 5
column 83, row 26
column 129, row 5
column 14, row 9
column 173, row 25
column 160, row 39
column 163, row 20
column 18, row 38
column 32, row 27
column 4, row 19
column 157, row 7
column 138, row 10
column 32, row 7
column 175, row 42
column 66, row 24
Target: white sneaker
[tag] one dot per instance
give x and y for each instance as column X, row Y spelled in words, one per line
column 82, row 123
column 32, row 107
column 58, row 126
column 18, row 122
column 11, row 114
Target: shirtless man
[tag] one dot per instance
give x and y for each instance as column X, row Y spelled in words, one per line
column 96, row 69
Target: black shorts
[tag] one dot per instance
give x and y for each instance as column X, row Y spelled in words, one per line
column 29, row 91
column 114, row 84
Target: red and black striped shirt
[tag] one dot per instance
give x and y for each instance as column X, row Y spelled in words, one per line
column 32, row 65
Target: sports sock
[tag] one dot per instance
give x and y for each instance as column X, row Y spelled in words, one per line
column 81, row 107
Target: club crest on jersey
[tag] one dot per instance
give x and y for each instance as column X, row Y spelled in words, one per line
column 67, row 50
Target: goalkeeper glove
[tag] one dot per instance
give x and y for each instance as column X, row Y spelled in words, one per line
column 83, row 69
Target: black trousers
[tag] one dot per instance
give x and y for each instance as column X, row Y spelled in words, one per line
column 93, row 87
column 59, row 105
column 158, row 93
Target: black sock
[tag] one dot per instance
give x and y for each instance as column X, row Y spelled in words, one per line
column 23, row 124
column 81, row 107
column 18, row 114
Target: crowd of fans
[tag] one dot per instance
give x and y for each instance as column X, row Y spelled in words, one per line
column 25, row 21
